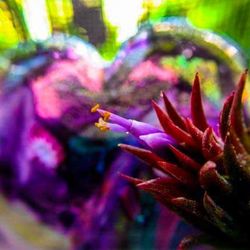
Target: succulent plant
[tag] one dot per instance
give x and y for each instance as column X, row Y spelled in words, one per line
column 206, row 173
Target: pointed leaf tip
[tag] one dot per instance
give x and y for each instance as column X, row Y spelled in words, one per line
column 224, row 116
column 173, row 114
column 236, row 114
column 162, row 117
column 197, row 111
column 196, row 133
column 210, row 147
column 212, row 181
column 130, row 179
column 171, row 128
column 143, row 154
column 164, row 186
column 178, row 173
column 184, row 159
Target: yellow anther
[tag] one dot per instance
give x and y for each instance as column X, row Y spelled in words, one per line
column 106, row 116
column 94, row 109
column 102, row 125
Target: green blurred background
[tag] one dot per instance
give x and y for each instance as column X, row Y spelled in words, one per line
column 108, row 23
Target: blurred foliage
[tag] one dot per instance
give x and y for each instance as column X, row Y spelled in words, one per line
column 19, row 229
column 226, row 17
column 12, row 26
column 60, row 14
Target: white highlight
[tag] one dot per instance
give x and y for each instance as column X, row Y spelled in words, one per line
column 44, row 151
column 35, row 13
column 123, row 14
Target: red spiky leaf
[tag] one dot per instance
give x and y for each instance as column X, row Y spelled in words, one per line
column 145, row 155
column 157, row 162
column 210, row 174
column 132, row 180
column 166, row 188
column 190, row 206
column 210, row 148
column 236, row 116
column 192, row 211
column 212, row 181
column 184, row 160
column 197, row 112
column 218, row 215
column 236, row 142
column 179, row 174
column 224, row 116
column 231, row 163
column 196, row 134
column 191, row 241
column 170, row 128
column 173, row 114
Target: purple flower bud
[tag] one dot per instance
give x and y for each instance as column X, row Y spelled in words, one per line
column 117, row 123
column 157, row 140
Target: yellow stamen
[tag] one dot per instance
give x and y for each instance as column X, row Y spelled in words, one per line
column 95, row 108
column 102, row 125
column 106, row 116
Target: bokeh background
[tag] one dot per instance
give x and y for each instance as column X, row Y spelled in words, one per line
column 108, row 23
